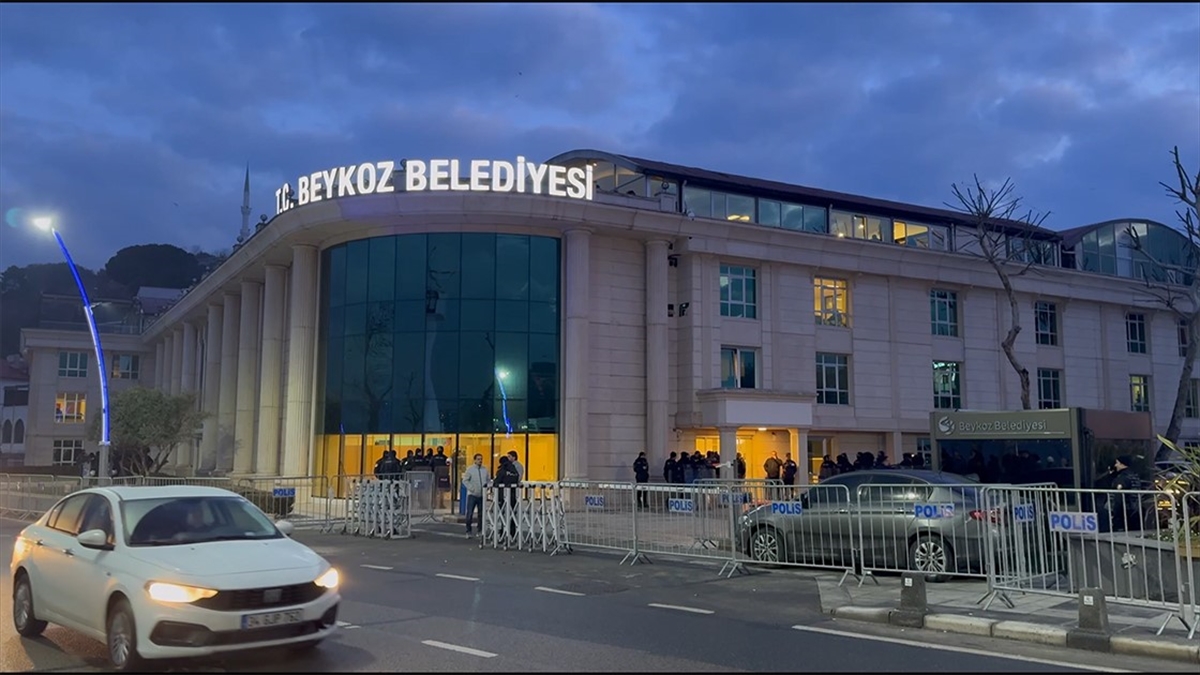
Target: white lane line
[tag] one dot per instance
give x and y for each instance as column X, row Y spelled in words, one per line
column 457, row 648
column 458, row 577
column 346, row 625
column 557, row 590
column 681, row 608
column 377, row 567
column 960, row 650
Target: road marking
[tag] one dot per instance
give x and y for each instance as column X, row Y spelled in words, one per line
column 681, row 608
column 960, row 650
column 557, row 590
column 457, row 648
column 377, row 567
column 455, row 576
column 346, row 625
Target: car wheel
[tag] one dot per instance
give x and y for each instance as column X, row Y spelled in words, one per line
column 931, row 555
column 122, row 638
column 766, row 546
column 24, row 620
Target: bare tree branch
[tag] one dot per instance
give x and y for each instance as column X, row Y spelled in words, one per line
column 1006, row 240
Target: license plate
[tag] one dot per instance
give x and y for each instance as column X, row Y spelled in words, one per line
column 268, row 619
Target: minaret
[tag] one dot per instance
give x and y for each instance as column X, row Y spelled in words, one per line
column 245, row 234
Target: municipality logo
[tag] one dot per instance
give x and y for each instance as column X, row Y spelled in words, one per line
column 946, row 426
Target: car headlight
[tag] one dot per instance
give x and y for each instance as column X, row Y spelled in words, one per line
column 329, row 579
column 165, row 592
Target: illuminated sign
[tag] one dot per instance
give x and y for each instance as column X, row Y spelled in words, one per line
column 435, row 175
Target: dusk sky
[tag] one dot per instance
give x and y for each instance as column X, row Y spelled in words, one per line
column 134, row 123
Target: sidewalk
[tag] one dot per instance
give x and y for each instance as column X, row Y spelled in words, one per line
column 957, row 607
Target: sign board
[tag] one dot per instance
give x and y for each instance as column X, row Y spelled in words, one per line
column 786, row 508
column 1024, row 513
column 1083, row 522
column 437, row 175
column 675, row 505
column 933, row 511
column 283, row 492
column 1022, row 424
column 593, row 501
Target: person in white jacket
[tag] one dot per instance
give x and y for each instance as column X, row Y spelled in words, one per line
column 475, row 479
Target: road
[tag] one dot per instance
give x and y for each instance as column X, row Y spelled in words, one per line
column 439, row 603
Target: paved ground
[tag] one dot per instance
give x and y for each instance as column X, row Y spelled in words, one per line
column 439, row 603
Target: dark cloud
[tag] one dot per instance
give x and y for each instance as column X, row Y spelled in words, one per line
column 134, row 122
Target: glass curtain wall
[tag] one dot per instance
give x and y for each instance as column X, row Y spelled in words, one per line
column 439, row 341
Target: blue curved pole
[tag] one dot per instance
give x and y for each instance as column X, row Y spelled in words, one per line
column 103, row 469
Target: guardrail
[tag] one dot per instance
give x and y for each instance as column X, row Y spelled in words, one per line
column 380, row 508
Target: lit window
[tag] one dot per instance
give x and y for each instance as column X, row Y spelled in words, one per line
column 67, row 452
column 917, row 235
column 1135, row 333
column 739, row 292
column 1045, row 319
column 1139, row 393
column 738, row 368
column 1049, row 383
column 833, row 379
column 70, row 408
column 943, row 311
column 947, row 388
column 831, row 302
column 72, row 364
column 855, row 226
column 125, row 367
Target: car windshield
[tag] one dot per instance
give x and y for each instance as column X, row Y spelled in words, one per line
column 193, row 520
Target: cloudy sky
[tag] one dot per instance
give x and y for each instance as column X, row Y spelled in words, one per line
column 134, row 123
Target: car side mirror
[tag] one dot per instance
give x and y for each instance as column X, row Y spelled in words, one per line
column 286, row 527
column 97, row 539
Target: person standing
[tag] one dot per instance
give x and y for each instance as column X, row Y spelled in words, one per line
column 641, row 474
column 772, row 466
column 789, row 470
column 512, row 456
column 669, row 469
column 475, row 479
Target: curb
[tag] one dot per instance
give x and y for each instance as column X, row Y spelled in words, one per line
column 1023, row 631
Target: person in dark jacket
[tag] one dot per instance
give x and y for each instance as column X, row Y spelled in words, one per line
column 641, row 474
column 669, row 468
column 741, row 467
column 1124, row 510
column 773, row 466
column 683, row 469
column 790, row 468
column 506, row 480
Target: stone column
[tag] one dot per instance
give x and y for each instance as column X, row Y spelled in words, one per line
column 187, row 381
column 266, row 455
column 895, row 447
column 658, row 423
column 247, row 378
column 227, row 408
column 176, row 361
column 302, row 360
column 212, row 387
column 160, row 364
column 727, row 439
column 574, row 369
column 799, row 442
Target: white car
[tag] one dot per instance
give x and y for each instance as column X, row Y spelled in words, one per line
column 168, row 572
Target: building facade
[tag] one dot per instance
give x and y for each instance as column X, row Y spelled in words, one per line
column 665, row 309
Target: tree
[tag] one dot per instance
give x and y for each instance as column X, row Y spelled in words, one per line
column 160, row 265
column 1175, row 284
column 147, row 424
column 1004, row 238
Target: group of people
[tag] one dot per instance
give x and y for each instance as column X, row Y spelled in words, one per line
column 390, row 466
column 510, row 473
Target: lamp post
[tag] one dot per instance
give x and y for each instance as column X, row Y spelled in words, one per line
column 46, row 223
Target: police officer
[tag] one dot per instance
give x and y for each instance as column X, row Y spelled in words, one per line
column 641, row 474
column 789, row 470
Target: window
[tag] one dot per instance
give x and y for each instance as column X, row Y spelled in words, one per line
column 1135, row 333
column 1182, row 333
column 1045, row 320
column 125, row 366
column 916, row 235
column 70, row 408
column 1049, row 382
column 1139, row 393
column 739, row 293
column 947, row 387
column 72, row 364
column 1190, row 407
column 19, row 432
column 943, row 312
column 67, row 452
column 833, row 379
column 854, row 226
column 6, row 432
column 738, row 368
column 65, row 516
column 831, row 302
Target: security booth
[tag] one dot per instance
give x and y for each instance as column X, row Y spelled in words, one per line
column 1071, row 447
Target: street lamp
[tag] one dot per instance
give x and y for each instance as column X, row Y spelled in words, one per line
column 46, row 224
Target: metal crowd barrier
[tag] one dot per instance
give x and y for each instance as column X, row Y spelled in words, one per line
column 526, row 517
column 380, row 508
column 27, row 496
column 1135, row 545
column 1188, row 530
column 800, row 525
column 424, row 493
